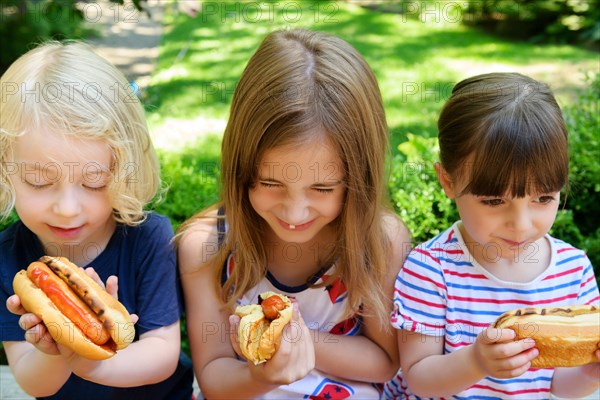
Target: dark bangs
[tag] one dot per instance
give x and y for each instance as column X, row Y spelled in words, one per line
column 521, row 153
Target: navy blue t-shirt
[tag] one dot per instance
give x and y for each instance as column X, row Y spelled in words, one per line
column 143, row 259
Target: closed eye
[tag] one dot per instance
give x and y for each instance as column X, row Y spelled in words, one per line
column 95, row 188
column 323, row 189
column 38, row 187
column 268, row 184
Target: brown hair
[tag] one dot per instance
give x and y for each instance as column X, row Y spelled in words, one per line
column 299, row 82
column 504, row 133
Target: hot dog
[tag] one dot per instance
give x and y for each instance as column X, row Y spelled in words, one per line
column 565, row 336
column 77, row 312
column 261, row 326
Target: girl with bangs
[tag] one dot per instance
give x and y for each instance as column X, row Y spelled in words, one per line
column 78, row 167
column 504, row 161
column 303, row 213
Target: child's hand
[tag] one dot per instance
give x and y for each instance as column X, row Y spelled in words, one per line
column 35, row 331
column 293, row 360
column 498, row 355
column 112, row 283
column 13, row 304
column 593, row 370
column 112, row 286
column 295, row 357
column 37, row 334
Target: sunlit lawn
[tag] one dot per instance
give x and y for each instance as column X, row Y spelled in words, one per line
column 417, row 60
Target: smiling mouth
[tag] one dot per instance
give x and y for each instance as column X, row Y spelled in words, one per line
column 296, row 228
column 515, row 244
column 65, row 232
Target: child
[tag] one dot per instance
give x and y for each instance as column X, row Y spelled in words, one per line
column 78, row 167
column 504, row 160
column 302, row 213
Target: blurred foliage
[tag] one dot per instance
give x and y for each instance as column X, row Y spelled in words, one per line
column 416, row 195
column 557, row 21
column 192, row 179
column 583, row 122
column 25, row 23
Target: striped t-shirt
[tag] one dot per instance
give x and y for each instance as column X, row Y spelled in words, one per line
column 443, row 291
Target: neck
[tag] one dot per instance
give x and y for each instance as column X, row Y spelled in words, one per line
column 293, row 263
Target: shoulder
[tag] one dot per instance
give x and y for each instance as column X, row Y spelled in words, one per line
column 394, row 228
column 10, row 234
column 398, row 237
column 155, row 228
column 157, row 223
column 198, row 242
column 565, row 252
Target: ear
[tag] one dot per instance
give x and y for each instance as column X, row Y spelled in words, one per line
column 445, row 180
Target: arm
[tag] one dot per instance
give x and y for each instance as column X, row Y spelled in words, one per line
column 151, row 359
column 28, row 365
column 220, row 374
column 375, row 358
column 577, row 382
column 431, row 373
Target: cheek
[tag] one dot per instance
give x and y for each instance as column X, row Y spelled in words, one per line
column 25, row 200
column 550, row 217
column 99, row 203
column 333, row 206
column 258, row 199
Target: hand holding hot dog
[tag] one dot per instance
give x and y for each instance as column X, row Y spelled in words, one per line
column 565, row 336
column 278, row 344
column 77, row 312
column 294, row 358
column 497, row 354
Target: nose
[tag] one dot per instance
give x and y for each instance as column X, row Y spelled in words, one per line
column 297, row 209
column 67, row 203
column 520, row 220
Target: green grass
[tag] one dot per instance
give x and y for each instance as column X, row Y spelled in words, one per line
column 416, row 60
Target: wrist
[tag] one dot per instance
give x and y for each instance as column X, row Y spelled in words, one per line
column 475, row 360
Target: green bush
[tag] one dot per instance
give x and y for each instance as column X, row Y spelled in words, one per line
column 583, row 202
column 192, row 180
column 26, row 23
column 557, row 21
column 583, row 123
column 415, row 192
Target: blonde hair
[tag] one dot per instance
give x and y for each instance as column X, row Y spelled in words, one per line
column 299, row 82
column 69, row 89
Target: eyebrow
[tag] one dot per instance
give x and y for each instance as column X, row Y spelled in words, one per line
column 322, row 184
column 45, row 166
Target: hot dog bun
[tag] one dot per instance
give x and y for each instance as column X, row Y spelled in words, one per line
column 565, row 336
column 80, row 296
column 259, row 336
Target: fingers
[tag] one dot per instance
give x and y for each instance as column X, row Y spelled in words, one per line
column 234, row 322
column 112, row 283
column 500, row 356
column 94, row 275
column 37, row 334
column 134, row 318
column 494, row 335
column 13, row 304
column 29, row 320
column 112, row 286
